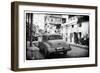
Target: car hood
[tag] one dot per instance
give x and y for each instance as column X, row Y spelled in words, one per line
column 57, row 43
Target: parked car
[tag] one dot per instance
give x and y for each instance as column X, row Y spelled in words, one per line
column 53, row 43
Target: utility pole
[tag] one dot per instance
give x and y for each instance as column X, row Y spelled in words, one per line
column 31, row 30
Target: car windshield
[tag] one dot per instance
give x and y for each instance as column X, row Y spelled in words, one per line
column 54, row 37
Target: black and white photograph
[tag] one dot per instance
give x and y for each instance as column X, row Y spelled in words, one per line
column 54, row 36
column 51, row 36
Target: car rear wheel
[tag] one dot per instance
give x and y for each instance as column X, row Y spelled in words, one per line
column 45, row 53
column 65, row 52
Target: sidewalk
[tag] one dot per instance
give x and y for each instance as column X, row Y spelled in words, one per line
column 81, row 46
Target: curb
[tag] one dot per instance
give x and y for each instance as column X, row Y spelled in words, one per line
column 81, row 46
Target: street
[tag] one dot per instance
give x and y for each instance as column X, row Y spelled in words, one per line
column 76, row 52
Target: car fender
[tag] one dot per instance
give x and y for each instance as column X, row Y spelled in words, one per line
column 49, row 48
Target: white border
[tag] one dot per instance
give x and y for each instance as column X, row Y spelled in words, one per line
column 55, row 62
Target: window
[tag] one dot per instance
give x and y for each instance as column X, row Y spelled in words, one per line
column 71, row 36
column 72, row 26
column 80, row 25
column 80, row 34
column 51, row 20
column 63, row 20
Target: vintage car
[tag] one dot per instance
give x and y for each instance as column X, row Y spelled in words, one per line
column 53, row 44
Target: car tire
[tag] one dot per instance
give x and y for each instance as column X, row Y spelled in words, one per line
column 65, row 52
column 45, row 52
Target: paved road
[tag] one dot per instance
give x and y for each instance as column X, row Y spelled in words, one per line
column 78, row 52
column 75, row 52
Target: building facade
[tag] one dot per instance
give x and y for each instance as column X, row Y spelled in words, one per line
column 77, row 29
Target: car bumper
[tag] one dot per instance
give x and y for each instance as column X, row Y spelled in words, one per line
column 60, row 50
